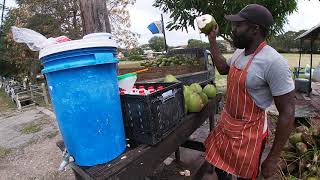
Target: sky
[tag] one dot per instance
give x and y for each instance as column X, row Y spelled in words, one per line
column 142, row 13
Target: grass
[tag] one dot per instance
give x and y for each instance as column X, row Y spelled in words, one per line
column 293, row 59
column 129, row 64
column 30, row 128
column 5, row 101
column 52, row 134
column 4, row 151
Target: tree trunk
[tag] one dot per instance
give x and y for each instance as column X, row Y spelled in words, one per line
column 94, row 16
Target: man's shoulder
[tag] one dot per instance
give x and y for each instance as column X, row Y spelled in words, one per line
column 269, row 54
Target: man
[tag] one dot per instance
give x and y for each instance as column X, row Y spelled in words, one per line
column 257, row 75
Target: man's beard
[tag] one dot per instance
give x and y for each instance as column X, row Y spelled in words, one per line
column 241, row 41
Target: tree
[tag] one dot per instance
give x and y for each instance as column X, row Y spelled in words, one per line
column 222, row 46
column 285, row 42
column 157, row 43
column 95, row 16
column 184, row 12
column 53, row 19
column 120, row 23
column 50, row 18
column 109, row 16
column 194, row 43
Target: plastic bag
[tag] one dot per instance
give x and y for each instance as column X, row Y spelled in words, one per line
column 316, row 74
column 34, row 40
column 307, row 69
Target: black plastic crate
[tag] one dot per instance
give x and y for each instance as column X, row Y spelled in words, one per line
column 148, row 119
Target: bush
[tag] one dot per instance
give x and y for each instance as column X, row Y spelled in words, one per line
column 135, row 58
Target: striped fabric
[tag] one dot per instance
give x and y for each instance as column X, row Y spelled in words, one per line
column 235, row 144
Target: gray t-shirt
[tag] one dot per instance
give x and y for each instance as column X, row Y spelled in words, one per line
column 268, row 75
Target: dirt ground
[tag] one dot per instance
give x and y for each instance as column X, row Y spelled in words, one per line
column 31, row 154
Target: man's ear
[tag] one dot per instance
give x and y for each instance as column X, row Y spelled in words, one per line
column 255, row 29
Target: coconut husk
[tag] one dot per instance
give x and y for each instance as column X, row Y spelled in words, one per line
column 301, row 148
column 302, row 166
column 292, row 167
column 289, row 156
column 295, row 138
column 289, row 147
column 315, row 131
column 302, row 129
column 282, row 164
column 308, row 139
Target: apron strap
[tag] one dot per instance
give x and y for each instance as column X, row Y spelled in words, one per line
column 261, row 46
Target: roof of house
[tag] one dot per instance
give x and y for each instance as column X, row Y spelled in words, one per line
column 313, row 33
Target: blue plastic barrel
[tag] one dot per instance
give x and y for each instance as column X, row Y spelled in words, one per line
column 84, row 93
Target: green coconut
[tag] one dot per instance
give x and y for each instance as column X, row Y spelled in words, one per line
column 291, row 177
column 210, row 90
column 170, row 78
column 194, row 102
column 206, row 23
column 186, row 91
column 195, row 87
column 185, row 108
column 295, row 138
column 204, row 97
column 313, row 178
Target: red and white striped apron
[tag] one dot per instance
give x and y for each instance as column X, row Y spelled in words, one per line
column 235, row 143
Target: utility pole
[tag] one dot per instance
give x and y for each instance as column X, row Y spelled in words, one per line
column 164, row 34
column 1, row 28
column 2, row 17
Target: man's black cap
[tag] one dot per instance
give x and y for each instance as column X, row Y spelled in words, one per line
column 254, row 13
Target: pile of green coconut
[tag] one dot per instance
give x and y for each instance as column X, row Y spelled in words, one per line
column 195, row 98
column 301, row 155
column 171, row 61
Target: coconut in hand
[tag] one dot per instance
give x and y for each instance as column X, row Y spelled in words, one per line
column 206, row 23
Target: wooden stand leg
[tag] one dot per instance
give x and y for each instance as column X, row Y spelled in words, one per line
column 77, row 175
column 211, row 126
column 177, row 155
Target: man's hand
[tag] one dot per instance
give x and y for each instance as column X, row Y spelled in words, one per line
column 213, row 34
column 285, row 106
column 269, row 167
column 218, row 59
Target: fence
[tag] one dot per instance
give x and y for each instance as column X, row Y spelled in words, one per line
column 39, row 91
column 23, row 94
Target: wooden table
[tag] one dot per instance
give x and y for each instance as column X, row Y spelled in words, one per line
column 141, row 161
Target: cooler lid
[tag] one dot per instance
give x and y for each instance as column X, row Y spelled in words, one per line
column 89, row 41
